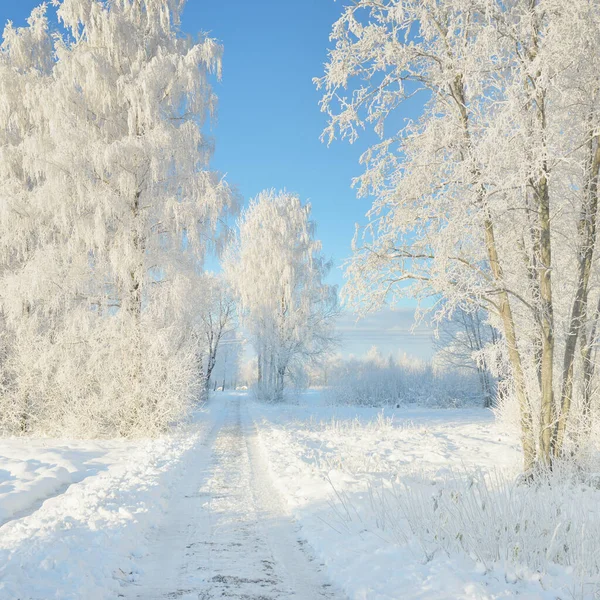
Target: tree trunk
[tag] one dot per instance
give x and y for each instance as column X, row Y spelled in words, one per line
column 587, row 232
column 259, row 375
column 225, row 357
column 279, row 383
column 505, row 311
column 210, row 365
column 588, row 356
column 134, row 308
column 531, row 261
column 134, row 301
column 547, row 321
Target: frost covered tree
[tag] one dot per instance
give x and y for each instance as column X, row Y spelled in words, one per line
column 489, row 198
column 218, row 322
column 463, row 342
column 25, row 63
column 276, row 269
column 107, row 214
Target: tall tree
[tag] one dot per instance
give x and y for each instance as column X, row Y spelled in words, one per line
column 25, row 66
column 123, row 209
column 276, row 269
column 480, row 199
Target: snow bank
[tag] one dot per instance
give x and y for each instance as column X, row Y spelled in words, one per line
column 24, row 482
column 75, row 513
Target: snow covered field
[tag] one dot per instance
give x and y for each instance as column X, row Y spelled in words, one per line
column 302, row 501
column 365, row 485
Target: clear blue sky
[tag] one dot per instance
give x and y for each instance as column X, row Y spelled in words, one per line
column 267, row 134
column 269, row 123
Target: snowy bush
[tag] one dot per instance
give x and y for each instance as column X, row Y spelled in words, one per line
column 374, row 381
column 101, row 377
column 528, row 531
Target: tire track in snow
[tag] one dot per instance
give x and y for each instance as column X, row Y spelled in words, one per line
column 292, row 552
column 227, row 534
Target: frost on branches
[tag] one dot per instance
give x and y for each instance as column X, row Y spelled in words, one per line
column 217, row 327
column 107, row 204
column 490, row 198
column 276, row 270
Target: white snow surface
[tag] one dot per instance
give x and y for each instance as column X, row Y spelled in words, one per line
column 331, row 463
column 227, row 535
column 74, row 513
column 192, row 515
column 253, row 501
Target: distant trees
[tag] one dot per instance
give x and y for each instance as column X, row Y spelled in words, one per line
column 107, row 205
column 227, row 370
column 375, row 380
column 490, row 198
column 217, row 313
column 463, row 343
column 276, row 271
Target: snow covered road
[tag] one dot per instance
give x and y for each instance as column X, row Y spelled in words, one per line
column 227, row 533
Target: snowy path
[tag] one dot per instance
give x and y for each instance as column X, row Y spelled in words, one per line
column 227, row 534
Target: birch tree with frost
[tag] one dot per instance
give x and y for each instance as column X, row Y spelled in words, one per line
column 489, row 198
column 109, row 216
column 276, row 270
column 217, row 313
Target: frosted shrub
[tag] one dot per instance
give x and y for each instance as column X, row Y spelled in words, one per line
column 373, row 382
column 100, row 380
column 524, row 530
column 583, row 441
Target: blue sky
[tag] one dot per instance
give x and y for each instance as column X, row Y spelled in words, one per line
column 268, row 128
column 269, row 123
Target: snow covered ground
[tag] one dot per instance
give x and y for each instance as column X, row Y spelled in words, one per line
column 73, row 514
column 304, row 502
column 192, row 515
column 227, row 534
column 364, row 484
